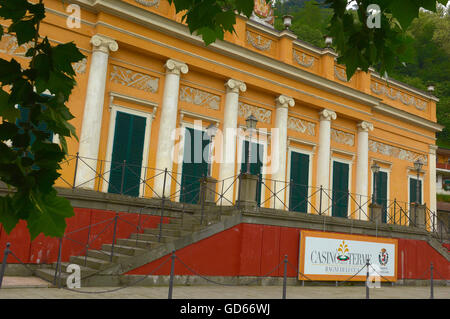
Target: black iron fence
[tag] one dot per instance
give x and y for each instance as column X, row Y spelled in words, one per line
column 141, row 181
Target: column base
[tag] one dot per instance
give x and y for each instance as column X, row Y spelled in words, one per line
column 208, row 191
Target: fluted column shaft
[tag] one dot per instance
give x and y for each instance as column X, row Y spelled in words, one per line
column 93, row 111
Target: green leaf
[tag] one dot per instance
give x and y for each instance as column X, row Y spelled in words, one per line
column 25, row 31
column 8, row 218
column 50, row 214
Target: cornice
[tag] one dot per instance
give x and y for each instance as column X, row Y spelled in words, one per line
column 410, row 118
column 154, row 21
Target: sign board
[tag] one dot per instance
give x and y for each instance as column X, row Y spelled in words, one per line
column 333, row 256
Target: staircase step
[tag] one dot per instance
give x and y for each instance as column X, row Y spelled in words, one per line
column 167, row 232
column 49, row 275
column 106, row 256
column 85, row 271
column 153, row 237
column 143, row 244
column 189, row 228
column 91, row 262
column 123, row 249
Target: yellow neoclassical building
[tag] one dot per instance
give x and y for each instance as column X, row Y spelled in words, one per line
column 148, row 90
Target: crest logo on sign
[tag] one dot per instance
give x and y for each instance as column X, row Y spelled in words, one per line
column 383, row 257
column 342, row 252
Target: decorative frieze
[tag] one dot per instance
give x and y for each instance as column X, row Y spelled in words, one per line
column 342, row 137
column 258, row 42
column 394, row 95
column 9, row 45
column 263, row 115
column 198, row 97
column 134, row 79
column 397, row 152
column 340, row 74
column 80, row 66
column 148, row 3
column 304, row 60
column 301, row 126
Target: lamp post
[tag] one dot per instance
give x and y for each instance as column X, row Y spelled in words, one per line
column 328, row 41
column 211, row 132
column 251, row 126
column 375, row 169
column 287, row 21
column 418, row 166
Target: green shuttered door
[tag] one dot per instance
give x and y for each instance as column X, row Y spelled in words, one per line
column 340, row 189
column 128, row 146
column 413, row 190
column 298, row 195
column 256, row 163
column 381, row 193
column 195, row 165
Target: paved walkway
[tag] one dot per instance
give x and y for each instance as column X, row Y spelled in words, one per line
column 10, row 291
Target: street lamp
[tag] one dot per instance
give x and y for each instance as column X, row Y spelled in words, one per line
column 287, row 21
column 375, row 169
column 418, row 166
column 328, row 41
column 251, row 122
column 211, row 132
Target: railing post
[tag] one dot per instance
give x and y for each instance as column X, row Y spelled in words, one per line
column 239, row 190
column 320, row 201
column 285, row 276
column 162, row 205
column 203, row 186
column 76, row 169
column 88, row 238
column 5, row 258
column 274, row 194
column 99, row 175
column 116, row 217
column 172, row 270
column 367, row 279
column 123, row 176
column 58, row 262
column 431, row 282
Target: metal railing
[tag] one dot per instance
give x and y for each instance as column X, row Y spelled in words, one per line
column 115, row 177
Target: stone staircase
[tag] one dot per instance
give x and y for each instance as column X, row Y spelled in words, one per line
column 139, row 245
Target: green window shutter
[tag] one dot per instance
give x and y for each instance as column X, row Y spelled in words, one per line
column 298, row 194
column 413, row 190
column 128, row 146
column 195, row 166
column 256, row 164
column 340, row 189
column 381, row 192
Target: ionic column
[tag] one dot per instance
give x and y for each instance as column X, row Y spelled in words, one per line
column 362, row 165
column 167, row 124
column 323, row 157
column 93, row 111
column 432, row 174
column 227, row 166
column 279, row 146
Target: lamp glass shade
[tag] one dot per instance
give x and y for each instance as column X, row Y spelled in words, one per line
column 418, row 165
column 251, row 122
column 287, row 21
column 211, row 130
column 375, row 168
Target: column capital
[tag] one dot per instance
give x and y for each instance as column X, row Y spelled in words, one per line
column 176, row 67
column 327, row 115
column 365, row 126
column 432, row 148
column 235, row 86
column 284, row 101
column 103, row 44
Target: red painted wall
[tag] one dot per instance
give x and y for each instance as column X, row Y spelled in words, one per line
column 255, row 250
column 44, row 249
